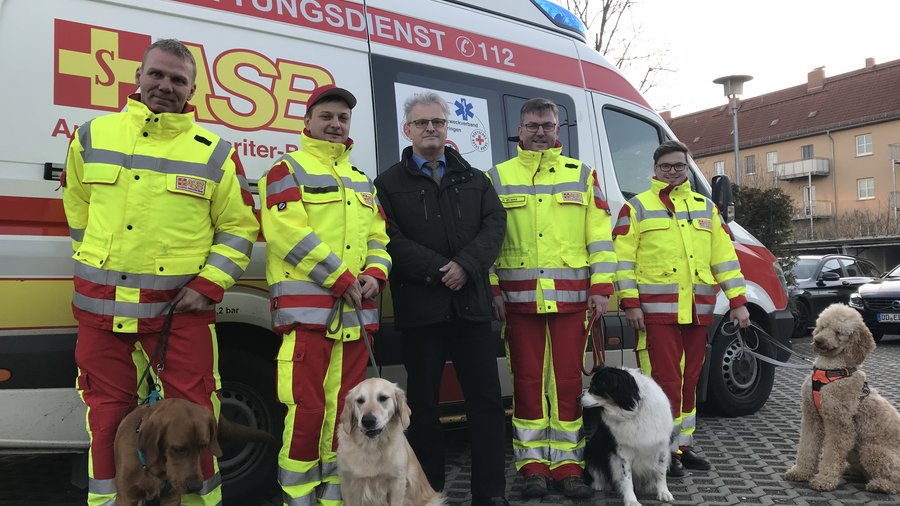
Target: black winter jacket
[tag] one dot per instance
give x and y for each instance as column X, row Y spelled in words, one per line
column 462, row 221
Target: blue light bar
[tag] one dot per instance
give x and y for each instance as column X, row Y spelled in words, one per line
column 561, row 17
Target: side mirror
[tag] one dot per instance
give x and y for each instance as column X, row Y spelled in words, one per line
column 721, row 196
column 830, row 276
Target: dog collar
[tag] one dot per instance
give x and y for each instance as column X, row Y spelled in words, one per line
column 822, row 377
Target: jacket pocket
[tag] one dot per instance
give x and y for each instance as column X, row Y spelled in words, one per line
column 513, row 201
column 178, row 265
column 94, row 250
column 575, row 260
column 654, row 224
column 320, row 194
column 189, row 185
column 100, row 173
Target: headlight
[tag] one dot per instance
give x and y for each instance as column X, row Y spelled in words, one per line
column 856, row 300
column 780, row 273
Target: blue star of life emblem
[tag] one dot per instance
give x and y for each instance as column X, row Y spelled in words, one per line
column 464, row 109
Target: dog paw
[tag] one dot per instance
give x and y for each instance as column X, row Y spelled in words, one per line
column 823, row 484
column 664, row 496
column 632, row 502
column 883, row 487
column 797, row 474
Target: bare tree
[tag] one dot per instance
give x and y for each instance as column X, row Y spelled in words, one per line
column 618, row 38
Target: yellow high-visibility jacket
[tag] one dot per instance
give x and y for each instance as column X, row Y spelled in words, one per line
column 673, row 249
column 558, row 248
column 323, row 227
column 154, row 203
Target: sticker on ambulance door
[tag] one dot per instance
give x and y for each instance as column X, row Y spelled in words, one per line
column 467, row 127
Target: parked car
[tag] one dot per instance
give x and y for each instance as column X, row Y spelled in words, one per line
column 879, row 303
column 822, row 280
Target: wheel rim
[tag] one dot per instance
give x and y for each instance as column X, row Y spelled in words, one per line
column 740, row 371
column 242, row 405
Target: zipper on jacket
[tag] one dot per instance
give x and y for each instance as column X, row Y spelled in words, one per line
column 458, row 210
column 424, row 205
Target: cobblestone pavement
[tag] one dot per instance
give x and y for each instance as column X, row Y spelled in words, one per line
column 749, row 456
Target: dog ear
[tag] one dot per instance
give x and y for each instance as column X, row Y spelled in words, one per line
column 347, row 418
column 402, row 407
column 214, row 447
column 862, row 343
column 150, row 438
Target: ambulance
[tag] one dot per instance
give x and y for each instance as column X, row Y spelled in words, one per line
column 68, row 61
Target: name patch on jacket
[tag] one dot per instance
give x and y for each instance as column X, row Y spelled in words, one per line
column 573, row 197
column 704, row 223
column 190, row 184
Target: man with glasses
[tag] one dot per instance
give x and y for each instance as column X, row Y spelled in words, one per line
column 446, row 224
column 556, row 262
column 673, row 249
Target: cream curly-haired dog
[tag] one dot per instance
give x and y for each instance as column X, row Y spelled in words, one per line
column 844, row 420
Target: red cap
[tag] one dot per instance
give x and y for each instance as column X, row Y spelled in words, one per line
column 330, row 90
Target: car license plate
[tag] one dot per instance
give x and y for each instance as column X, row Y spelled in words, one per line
column 889, row 317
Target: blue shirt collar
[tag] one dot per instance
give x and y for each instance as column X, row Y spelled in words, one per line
column 420, row 163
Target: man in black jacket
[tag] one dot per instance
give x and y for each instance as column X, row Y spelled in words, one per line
column 446, row 225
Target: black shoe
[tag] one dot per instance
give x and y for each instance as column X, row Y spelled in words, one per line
column 574, row 487
column 535, row 486
column 676, row 468
column 691, row 460
column 490, row 501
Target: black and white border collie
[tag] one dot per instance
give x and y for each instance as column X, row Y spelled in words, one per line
column 631, row 441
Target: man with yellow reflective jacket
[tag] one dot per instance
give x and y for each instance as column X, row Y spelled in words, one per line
column 325, row 262
column 556, row 261
column 673, row 250
column 160, row 213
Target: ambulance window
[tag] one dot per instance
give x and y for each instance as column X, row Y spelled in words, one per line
column 513, row 117
column 632, row 141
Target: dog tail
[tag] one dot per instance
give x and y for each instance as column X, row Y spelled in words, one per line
column 232, row 431
column 438, row 499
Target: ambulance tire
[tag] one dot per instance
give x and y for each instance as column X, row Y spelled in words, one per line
column 249, row 470
column 739, row 384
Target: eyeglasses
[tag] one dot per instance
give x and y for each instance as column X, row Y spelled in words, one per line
column 421, row 124
column 668, row 167
column 533, row 127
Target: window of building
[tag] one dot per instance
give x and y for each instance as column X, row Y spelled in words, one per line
column 863, row 144
column 865, row 188
column 720, row 167
column 750, row 164
column 806, row 152
column 771, row 160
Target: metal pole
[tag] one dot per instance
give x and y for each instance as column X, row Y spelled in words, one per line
column 812, row 212
column 894, row 187
column 737, row 151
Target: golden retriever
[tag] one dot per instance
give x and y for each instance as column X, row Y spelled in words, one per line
column 375, row 462
column 844, row 420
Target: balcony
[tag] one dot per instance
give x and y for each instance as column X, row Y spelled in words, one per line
column 803, row 168
column 818, row 209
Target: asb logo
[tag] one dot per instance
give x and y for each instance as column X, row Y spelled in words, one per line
column 95, row 66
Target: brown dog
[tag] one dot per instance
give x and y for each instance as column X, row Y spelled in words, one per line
column 170, row 437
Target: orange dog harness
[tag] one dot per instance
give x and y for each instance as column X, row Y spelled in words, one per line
column 822, row 377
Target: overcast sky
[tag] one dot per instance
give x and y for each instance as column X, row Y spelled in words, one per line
column 776, row 41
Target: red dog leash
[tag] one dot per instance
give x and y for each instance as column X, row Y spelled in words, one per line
column 598, row 343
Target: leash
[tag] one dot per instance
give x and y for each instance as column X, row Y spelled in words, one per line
column 758, row 332
column 598, row 343
column 337, row 317
column 159, row 357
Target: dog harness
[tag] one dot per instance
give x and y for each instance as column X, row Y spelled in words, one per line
column 822, row 377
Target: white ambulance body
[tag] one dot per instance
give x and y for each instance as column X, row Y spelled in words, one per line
column 67, row 61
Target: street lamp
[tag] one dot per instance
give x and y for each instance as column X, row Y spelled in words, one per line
column 734, row 86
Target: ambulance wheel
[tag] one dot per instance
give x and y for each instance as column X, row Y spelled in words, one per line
column 739, row 384
column 249, row 470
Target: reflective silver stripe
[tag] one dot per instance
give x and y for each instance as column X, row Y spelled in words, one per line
column 275, row 187
column 520, row 297
column 293, row 478
column 373, row 245
column 319, row 316
column 517, row 274
column 565, row 436
column 659, row 307
column 372, row 259
column 357, row 186
column 624, row 221
column 77, row 234
column 239, row 244
column 540, row 189
column 101, row 487
column 304, row 178
column 704, row 289
column 565, row 295
column 297, row 288
column 328, row 266
column 642, row 213
column 84, row 135
column 225, row 265
column 598, row 246
column 531, row 453
column 329, row 491
column 603, row 267
column 156, row 164
column 557, row 455
column 626, row 284
column 686, row 215
column 307, row 500
column 623, row 265
column 111, row 502
column 245, row 185
column 705, row 309
column 731, row 265
column 689, row 422
column 329, row 469
column 211, row 484
column 529, row 435
column 567, row 273
column 302, row 248
column 585, row 174
column 658, row 289
column 494, row 176
column 732, row 283
column 129, row 280
column 119, row 308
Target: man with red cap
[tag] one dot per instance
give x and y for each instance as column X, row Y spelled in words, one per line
column 325, row 262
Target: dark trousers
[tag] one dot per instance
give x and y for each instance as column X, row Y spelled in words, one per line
column 473, row 349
